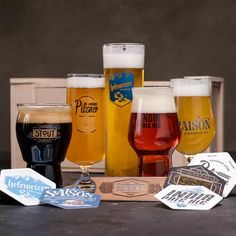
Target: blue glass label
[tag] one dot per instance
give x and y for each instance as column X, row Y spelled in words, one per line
column 41, row 157
column 121, row 85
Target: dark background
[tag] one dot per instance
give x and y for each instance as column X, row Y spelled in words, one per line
column 55, row 37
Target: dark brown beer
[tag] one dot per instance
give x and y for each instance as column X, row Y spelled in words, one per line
column 43, row 142
column 154, row 137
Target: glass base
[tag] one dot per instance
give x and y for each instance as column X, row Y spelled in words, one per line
column 85, row 184
column 154, row 165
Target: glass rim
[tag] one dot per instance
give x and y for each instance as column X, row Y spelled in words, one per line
column 43, row 105
column 85, row 81
column 84, row 75
column 192, row 78
column 152, row 87
column 196, row 77
column 123, row 44
column 155, row 90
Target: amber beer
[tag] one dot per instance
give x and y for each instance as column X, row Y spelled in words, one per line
column 154, row 132
column 85, row 93
column 123, row 70
column 43, row 132
column 196, row 119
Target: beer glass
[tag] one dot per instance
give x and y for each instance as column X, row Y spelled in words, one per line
column 85, row 94
column 196, row 119
column 123, row 69
column 153, row 130
column 43, row 132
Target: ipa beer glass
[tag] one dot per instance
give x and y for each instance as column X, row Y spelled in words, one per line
column 85, row 93
column 43, row 132
column 153, row 131
column 123, row 69
column 196, row 119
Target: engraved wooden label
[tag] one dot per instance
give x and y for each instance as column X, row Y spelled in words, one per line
column 128, row 188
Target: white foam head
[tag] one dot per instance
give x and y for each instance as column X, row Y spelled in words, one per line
column 85, row 81
column 44, row 113
column 153, row 100
column 191, row 86
column 123, row 55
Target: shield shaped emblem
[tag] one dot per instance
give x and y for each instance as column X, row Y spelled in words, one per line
column 121, row 85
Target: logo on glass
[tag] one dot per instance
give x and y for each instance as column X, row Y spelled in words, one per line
column 121, row 85
column 86, row 108
column 45, row 133
column 197, row 126
column 151, row 121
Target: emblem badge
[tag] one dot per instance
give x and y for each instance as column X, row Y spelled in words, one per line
column 121, row 85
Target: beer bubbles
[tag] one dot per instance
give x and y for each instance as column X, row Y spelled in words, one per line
column 194, row 108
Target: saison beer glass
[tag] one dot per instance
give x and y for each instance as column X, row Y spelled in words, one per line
column 85, row 94
column 196, row 119
column 123, row 69
column 153, row 130
column 43, row 132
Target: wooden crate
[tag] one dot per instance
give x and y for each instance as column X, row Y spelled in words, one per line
column 53, row 90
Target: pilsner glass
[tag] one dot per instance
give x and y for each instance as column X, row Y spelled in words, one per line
column 196, row 120
column 87, row 146
column 123, row 70
column 153, row 131
column 43, row 132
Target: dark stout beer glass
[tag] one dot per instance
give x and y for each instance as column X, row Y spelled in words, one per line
column 43, row 132
column 153, row 131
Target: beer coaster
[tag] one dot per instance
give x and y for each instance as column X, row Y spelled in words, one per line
column 187, row 197
column 70, row 198
column 221, row 164
column 24, row 185
column 128, row 188
column 197, row 176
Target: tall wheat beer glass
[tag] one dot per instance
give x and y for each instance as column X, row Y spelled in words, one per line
column 85, row 93
column 196, row 119
column 123, row 69
column 154, row 130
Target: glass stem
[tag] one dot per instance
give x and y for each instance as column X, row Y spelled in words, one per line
column 189, row 157
column 84, row 173
column 85, row 182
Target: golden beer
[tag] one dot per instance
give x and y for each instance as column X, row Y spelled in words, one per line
column 85, row 94
column 123, row 70
column 195, row 115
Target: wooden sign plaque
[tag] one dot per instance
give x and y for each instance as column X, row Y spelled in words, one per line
column 128, row 188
